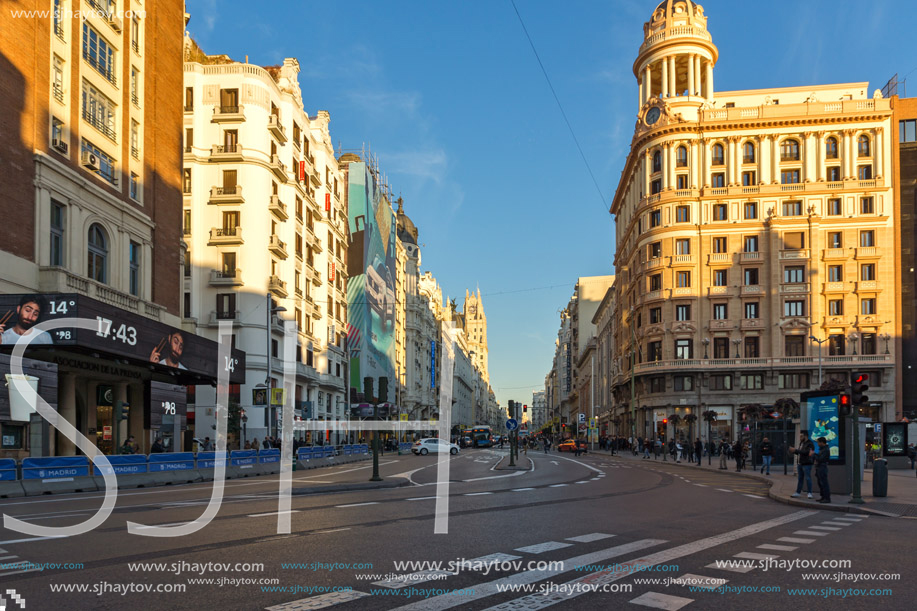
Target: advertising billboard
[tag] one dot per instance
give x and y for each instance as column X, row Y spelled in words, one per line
column 371, row 278
column 118, row 333
column 824, row 420
column 894, row 439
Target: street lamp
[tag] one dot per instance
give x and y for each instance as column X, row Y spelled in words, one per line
column 886, row 337
column 271, row 310
column 706, row 342
column 736, row 342
column 820, row 342
column 853, row 337
column 244, row 426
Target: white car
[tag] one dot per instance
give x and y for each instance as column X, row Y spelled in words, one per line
column 433, row 444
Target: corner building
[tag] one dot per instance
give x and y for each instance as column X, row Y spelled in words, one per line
column 750, row 226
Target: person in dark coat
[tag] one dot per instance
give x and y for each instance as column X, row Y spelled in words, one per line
column 821, row 470
column 157, row 447
column 767, row 455
column 698, row 449
column 737, row 453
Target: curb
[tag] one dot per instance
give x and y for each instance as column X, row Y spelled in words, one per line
column 350, row 487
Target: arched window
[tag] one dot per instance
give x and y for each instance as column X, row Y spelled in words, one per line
column 831, row 148
column 789, row 150
column 657, row 161
column 719, row 157
column 748, row 152
column 681, row 157
column 863, row 146
column 97, row 254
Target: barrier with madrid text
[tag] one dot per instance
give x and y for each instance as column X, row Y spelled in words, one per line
column 51, row 467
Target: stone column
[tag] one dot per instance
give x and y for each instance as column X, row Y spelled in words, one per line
column 66, row 407
column 706, row 143
column 848, row 154
column 691, row 59
column 709, row 80
column 647, row 84
column 695, row 176
column 819, row 156
column 808, row 151
column 761, row 157
column 647, row 171
column 666, row 166
column 640, row 97
column 775, row 158
column 673, row 82
column 665, row 77
column 697, row 79
column 878, row 154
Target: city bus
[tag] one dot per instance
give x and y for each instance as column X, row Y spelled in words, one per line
column 480, row 436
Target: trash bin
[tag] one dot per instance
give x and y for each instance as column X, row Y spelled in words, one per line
column 880, row 477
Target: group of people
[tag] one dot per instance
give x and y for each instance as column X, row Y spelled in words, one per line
column 808, row 455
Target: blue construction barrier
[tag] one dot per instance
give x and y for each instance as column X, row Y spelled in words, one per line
column 172, row 461
column 55, row 466
column 8, row 471
column 208, row 460
column 269, row 456
column 347, row 450
column 127, row 464
column 304, row 454
column 243, row 457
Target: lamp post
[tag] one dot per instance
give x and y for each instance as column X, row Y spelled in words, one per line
column 853, row 337
column 271, row 310
column 886, row 337
column 736, row 343
column 706, row 342
column 820, row 342
column 244, row 426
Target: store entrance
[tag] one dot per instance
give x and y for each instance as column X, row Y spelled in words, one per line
column 105, row 429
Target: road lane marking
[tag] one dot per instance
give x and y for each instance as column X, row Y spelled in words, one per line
column 754, row 496
column 421, row 498
column 33, row 539
column 357, row 504
column 400, row 581
column 590, row 537
column 334, row 530
column 540, row 548
column 723, row 490
column 811, row 533
column 319, row 602
column 521, row 489
column 778, row 548
column 752, row 556
column 662, row 601
column 832, row 523
column 557, row 485
column 828, row 528
column 272, row 513
column 795, row 540
column 699, row 581
column 731, row 568
column 477, row 493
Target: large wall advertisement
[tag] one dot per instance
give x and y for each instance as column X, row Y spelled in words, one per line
column 371, row 280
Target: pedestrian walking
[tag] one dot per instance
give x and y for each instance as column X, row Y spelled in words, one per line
column 806, row 454
column 767, row 455
column 679, row 451
column 737, row 450
column 912, row 453
column 821, row 470
column 698, row 449
column 724, row 454
column 646, row 449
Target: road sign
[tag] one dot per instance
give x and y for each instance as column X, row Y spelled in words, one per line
column 582, row 418
column 512, row 424
column 582, row 426
column 877, row 427
column 523, row 432
column 404, row 417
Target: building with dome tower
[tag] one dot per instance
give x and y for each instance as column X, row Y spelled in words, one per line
column 755, row 240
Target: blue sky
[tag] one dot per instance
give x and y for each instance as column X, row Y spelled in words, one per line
column 450, row 97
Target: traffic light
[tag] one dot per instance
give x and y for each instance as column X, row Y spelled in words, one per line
column 846, row 409
column 665, row 421
column 509, row 408
column 368, row 389
column 121, row 410
column 563, row 426
column 859, row 386
column 383, row 389
column 525, row 408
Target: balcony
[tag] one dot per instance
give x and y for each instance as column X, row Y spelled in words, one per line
column 280, row 170
column 719, row 257
column 223, row 236
column 835, row 253
column 868, row 319
column 278, row 208
column 278, row 286
column 836, row 321
column 753, row 289
column 763, row 363
column 653, row 295
column 226, row 195
column 714, row 291
column 315, row 276
column 316, row 242
column 868, row 252
column 751, row 257
column 834, row 287
column 230, row 277
column 751, row 323
column 226, row 152
column 276, row 127
column 228, row 114
column 683, row 291
column 316, row 177
column 794, row 254
column 868, row 285
column 722, row 325
column 682, row 260
column 653, row 263
column 795, row 287
column 59, row 280
column 278, row 247
column 316, row 311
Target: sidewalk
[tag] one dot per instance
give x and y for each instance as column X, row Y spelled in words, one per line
column 900, row 502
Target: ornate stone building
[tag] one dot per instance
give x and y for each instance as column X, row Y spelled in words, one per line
column 752, row 227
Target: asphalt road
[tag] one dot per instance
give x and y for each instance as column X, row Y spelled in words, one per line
column 585, row 532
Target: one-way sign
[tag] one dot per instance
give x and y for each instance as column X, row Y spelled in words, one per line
column 512, row 424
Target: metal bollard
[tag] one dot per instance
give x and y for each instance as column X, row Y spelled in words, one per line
column 880, row 477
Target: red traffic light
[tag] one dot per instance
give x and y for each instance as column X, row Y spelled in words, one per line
column 845, row 400
column 525, row 408
column 861, row 378
column 665, row 421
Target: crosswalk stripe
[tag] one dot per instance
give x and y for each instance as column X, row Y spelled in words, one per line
column 319, row 602
column 723, row 490
column 662, row 601
column 828, row 528
column 541, row 548
column 753, row 556
column 833, row 523
column 730, row 567
column 850, row 519
column 699, row 581
column 779, row 548
column 590, row 537
column 795, row 540
column 400, row 581
column 811, row 533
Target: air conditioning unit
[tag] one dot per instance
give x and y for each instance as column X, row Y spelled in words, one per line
column 90, row 161
column 59, row 145
column 115, row 23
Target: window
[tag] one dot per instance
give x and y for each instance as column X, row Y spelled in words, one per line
column 907, row 130
column 789, row 177
column 868, row 306
column 57, row 234
column 752, row 347
column 57, row 79
column 835, row 239
column 681, row 157
column 864, row 172
column 834, row 208
column 718, row 180
column 683, row 312
column 683, row 246
column 751, row 210
column 719, row 157
column 720, row 212
column 135, row 187
column 792, row 208
column 655, row 250
column 793, row 380
column 186, row 222
column 867, row 238
column 684, row 349
column 835, row 273
column 226, row 305
column 868, row 271
column 752, row 381
column 189, row 99
column 99, row 111
column 657, row 384
column 794, row 274
column 795, row 240
column 751, row 243
column 748, row 152
column 751, row 276
column 863, row 146
column 106, row 163
column 721, row 347
column 655, row 316
column 12, row 436
column 135, row 34
column 135, row 86
column 229, row 181
column 684, row 383
column 655, row 186
column 720, row 310
column 682, row 214
column 98, row 53
column 752, row 309
column 831, row 148
column 836, row 307
column 836, row 344
column 794, row 345
column 719, row 244
column 720, row 277
column 231, row 220
column 97, row 254
column 794, row 307
column 134, row 275
column 657, row 161
column 868, row 343
column 789, row 150
column 867, row 205
column 229, row 101
column 186, row 181
column 654, row 351
column 187, row 269
column 135, row 139
column 834, row 173
column 721, row 382
column 656, row 282
column 683, row 279
column 749, row 179
column 655, row 218
column 681, row 181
